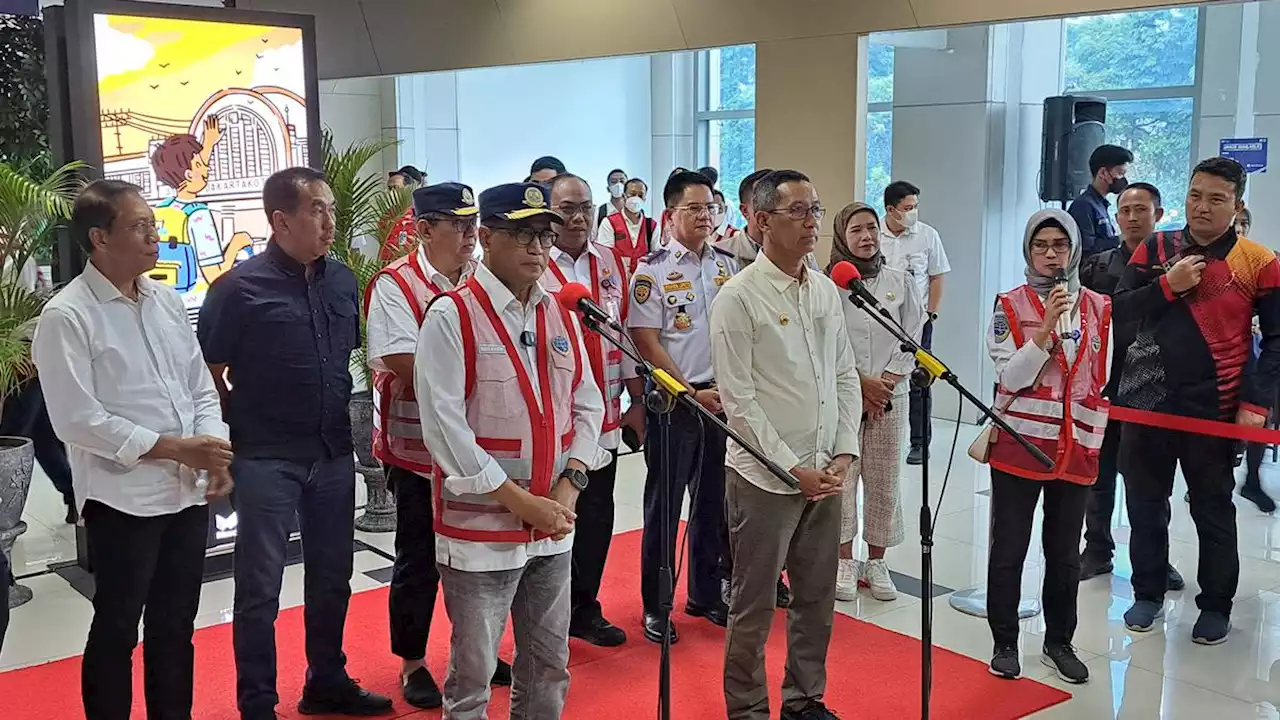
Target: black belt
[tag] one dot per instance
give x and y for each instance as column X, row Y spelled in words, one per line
column 704, row 385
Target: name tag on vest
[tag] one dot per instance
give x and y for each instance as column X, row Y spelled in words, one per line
column 491, row 349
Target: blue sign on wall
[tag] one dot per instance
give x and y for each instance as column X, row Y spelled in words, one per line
column 1249, row 152
column 20, row 7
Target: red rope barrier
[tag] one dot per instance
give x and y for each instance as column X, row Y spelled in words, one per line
column 1198, row 426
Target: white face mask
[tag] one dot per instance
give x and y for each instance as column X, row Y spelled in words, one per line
column 635, row 203
column 717, row 219
column 911, row 217
column 616, row 190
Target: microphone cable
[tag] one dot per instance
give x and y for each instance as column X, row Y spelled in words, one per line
column 951, row 459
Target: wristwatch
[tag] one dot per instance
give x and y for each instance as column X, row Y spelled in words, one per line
column 576, row 477
column 933, row 317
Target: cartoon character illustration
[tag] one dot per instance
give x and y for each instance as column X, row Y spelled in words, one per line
column 191, row 249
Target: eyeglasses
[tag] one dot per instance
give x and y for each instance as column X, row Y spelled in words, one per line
column 145, row 227
column 800, row 212
column 1059, row 248
column 568, row 210
column 700, row 209
column 525, row 237
column 462, row 226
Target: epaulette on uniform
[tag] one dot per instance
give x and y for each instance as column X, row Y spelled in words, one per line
column 655, row 255
column 724, row 252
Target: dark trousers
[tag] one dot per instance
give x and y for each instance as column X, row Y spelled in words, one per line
column 1253, row 454
column 921, row 399
column 1148, row 458
column 1013, row 509
column 593, row 531
column 1102, row 497
column 672, row 456
column 415, row 581
column 269, row 496
column 25, row 415
column 149, row 569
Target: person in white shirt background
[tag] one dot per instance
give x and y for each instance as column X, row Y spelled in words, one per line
column 883, row 367
column 617, row 188
column 915, row 247
column 128, row 391
column 790, row 387
column 504, row 524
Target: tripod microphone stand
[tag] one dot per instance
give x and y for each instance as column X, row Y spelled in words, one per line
column 667, row 392
column 929, row 369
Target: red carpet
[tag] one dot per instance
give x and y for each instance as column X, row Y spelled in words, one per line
column 874, row 673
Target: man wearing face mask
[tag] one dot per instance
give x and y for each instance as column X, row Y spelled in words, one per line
column 628, row 230
column 617, row 190
column 1092, row 211
column 915, row 247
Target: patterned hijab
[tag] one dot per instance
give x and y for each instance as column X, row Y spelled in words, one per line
column 840, row 251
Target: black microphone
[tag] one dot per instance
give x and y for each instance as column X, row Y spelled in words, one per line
column 575, row 297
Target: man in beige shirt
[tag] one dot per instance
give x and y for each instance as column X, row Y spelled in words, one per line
column 790, row 386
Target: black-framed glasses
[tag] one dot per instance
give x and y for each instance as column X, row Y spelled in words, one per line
column 461, row 225
column 800, row 212
column 525, row 237
column 699, row 208
column 1043, row 248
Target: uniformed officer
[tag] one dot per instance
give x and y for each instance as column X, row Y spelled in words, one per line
column 445, row 224
column 577, row 257
column 511, row 414
column 671, row 297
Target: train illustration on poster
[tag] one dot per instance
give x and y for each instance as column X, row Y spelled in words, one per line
column 198, row 114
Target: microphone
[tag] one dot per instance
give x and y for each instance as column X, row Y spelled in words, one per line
column 575, row 297
column 846, row 276
column 1064, row 320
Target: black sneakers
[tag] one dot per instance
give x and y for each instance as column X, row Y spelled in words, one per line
column 420, row 690
column 347, row 698
column 1004, row 663
column 813, row 711
column 1063, row 660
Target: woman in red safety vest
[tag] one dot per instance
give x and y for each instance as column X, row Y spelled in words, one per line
column 1050, row 340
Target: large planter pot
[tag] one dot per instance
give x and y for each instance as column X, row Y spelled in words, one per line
column 17, row 457
column 380, row 508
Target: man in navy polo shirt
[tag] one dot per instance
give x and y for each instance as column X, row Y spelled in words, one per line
column 277, row 332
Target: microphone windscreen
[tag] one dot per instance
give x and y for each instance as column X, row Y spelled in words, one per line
column 844, row 273
column 1060, row 277
column 571, row 294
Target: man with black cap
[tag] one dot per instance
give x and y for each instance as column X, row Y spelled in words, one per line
column 398, row 299
column 511, row 415
column 545, row 168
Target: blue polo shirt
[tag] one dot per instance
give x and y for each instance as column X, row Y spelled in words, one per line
column 287, row 339
column 1092, row 214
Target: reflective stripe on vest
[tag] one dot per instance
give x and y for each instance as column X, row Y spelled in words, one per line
column 606, row 359
column 527, row 434
column 397, row 431
column 1062, row 397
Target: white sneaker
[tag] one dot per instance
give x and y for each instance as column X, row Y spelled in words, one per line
column 876, row 574
column 847, row 580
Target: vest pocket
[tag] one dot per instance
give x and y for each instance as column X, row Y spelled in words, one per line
column 497, row 389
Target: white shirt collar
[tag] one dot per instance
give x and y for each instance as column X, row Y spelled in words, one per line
column 440, row 278
column 557, row 254
column 776, row 277
column 501, row 295
column 102, row 289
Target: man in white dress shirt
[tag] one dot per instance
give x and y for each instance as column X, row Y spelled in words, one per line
column 128, row 391
column 511, row 414
column 791, row 388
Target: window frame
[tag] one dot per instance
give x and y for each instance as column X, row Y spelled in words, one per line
column 706, row 67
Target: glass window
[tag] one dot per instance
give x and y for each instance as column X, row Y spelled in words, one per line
column 1131, row 50
column 880, row 74
column 879, row 157
column 731, row 149
column 1159, row 134
column 732, row 74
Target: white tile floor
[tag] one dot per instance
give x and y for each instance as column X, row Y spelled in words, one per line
column 1158, row 675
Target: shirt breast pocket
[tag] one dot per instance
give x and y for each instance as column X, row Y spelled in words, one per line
column 344, row 328
column 562, row 372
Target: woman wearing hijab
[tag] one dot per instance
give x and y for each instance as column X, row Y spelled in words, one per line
column 883, row 366
column 1050, row 340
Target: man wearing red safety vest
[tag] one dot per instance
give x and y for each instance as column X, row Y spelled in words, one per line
column 629, row 230
column 511, row 415
column 396, row 303
column 576, row 257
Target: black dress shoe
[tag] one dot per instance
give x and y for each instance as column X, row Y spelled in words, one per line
column 717, row 613
column 1092, row 565
column 420, row 690
column 1175, row 582
column 653, row 627
column 784, row 595
column 501, row 676
column 73, row 515
column 347, row 698
column 598, row 632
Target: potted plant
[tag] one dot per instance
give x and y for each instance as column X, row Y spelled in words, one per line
column 366, row 210
column 31, row 211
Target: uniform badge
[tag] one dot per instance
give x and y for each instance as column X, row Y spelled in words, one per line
column 890, row 296
column 533, row 198
column 561, row 344
column 676, row 286
column 689, row 296
column 1000, row 327
column 606, row 271
column 467, row 197
column 644, row 286
column 1096, row 343
column 721, row 280
column 675, row 275
column 672, row 299
column 683, row 321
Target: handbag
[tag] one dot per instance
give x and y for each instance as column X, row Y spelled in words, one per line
column 980, row 449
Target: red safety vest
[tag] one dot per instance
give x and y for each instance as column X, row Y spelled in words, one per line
column 403, row 235
column 609, row 283
column 397, row 430
column 529, row 440
column 1063, row 413
column 633, row 249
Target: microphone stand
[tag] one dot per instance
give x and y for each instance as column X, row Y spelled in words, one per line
column 928, row 369
column 662, row 399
